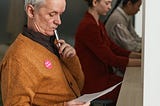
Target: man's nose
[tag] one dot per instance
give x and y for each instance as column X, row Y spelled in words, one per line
column 58, row 20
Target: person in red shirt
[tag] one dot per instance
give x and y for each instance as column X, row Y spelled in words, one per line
column 97, row 53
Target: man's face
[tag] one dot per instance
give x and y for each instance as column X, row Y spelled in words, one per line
column 47, row 18
column 134, row 8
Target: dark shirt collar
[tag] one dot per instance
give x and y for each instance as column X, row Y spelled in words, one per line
column 46, row 41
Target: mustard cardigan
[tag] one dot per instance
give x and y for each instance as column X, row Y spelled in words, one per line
column 32, row 75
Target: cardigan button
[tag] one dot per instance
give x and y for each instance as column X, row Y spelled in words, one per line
column 70, row 83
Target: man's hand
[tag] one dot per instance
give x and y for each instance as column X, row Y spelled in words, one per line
column 65, row 49
column 73, row 103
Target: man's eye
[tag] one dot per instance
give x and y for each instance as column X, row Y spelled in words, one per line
column 52, row 14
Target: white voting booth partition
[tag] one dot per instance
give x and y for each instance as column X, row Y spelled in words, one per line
column 151, row 67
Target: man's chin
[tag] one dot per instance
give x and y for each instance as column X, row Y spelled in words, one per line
column 51, row 33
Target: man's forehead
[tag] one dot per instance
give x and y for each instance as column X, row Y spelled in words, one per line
column 56, row 5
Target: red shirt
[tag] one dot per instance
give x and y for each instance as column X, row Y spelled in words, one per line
column 96, row 53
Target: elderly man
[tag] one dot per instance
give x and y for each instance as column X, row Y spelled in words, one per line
column 35, row 70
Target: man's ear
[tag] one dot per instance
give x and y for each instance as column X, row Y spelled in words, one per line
column 30, row 10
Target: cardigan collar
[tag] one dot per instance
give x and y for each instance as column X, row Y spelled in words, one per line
column 91, row 16
column 46, row 41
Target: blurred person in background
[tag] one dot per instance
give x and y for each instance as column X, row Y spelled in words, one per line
column 97, row 53
column 119, row 25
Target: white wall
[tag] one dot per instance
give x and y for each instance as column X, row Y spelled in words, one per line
column 152, row 53
column 138, row 21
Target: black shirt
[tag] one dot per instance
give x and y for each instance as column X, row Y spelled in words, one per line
column 46, row 41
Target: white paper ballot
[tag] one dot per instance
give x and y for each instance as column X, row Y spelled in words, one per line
column 90, row 97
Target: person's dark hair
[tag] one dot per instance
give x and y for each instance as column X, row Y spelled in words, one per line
column 124, row 2
column 90, row 2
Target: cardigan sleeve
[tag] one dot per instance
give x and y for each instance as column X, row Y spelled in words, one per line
column 75, row 69
column 18, row 85
column 90, row 35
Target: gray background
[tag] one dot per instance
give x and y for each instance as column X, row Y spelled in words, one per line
column 4, row 38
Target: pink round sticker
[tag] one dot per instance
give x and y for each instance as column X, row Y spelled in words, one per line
column 48, row 64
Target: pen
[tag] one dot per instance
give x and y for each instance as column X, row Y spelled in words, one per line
column 57, row 38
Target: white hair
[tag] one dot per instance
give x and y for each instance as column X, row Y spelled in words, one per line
column 35, row 3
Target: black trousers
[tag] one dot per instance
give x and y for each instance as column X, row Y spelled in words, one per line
column 103, row 103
